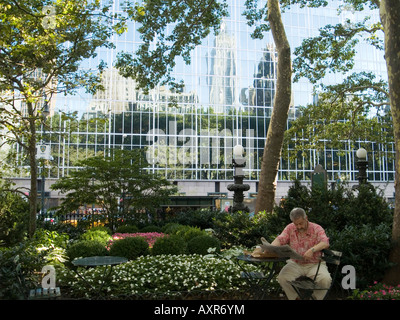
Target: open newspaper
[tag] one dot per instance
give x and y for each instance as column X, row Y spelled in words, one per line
column 281, row 251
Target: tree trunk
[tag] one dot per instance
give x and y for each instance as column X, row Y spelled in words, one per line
column 390, row 17
column 273, row 144
column 33, row 194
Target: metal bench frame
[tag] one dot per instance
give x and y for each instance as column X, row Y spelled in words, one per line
column 305, row 286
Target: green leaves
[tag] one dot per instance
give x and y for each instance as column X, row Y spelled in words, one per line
column 333, row 50
column 356, row 109
column 169, row 29
column 105, row 180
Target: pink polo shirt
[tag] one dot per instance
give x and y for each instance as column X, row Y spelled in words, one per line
column 302, row 242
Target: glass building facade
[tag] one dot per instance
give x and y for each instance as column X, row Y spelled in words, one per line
column 227, row 100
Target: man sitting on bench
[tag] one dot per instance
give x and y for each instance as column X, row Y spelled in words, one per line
column 307, row 239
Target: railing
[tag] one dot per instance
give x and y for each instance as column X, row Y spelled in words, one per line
column 89, row 218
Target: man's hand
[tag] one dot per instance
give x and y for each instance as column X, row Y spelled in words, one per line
column 309, row 254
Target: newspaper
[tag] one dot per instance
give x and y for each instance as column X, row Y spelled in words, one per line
column 281, row 251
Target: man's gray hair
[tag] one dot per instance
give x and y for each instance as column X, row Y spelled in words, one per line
column 297, row 213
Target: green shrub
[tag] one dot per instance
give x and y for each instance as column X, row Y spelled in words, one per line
column 19, row 266
column 98, row 235
column 201, row 244
column 357, row 222
column 366, row 248
column 201, row 218
column 169, row 245
column 334, row 208
column 240, row 229
column 127, row 229
column 101, row 228
column 86, row 248
column 14, row 217
column 171, row 228
column 130, row 248
column 151, row 228
column 188, row 232
column 182, row 273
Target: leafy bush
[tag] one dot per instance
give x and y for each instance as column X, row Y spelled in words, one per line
column 128, row 228
column 18, row 270
column 51, row 244
column 86, row 248
column 171, row 228
column 366, row 248
column 358, row 223
column 74, row 232
column 98, row 235
column 161, row 274
column 151, row 228
column 130, row 248
column 169, row 245
column 240, row 229
column 20, row 265
column 14, row 217
column 201, row 218
column 201, row 244
column 101, row 228
column 332, row 208
column 188, row 232
column 150, row 237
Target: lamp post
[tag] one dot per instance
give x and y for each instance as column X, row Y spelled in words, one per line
column 46, row 112
column 239, row 162
column 362, row 165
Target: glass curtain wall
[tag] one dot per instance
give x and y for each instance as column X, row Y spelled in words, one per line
column 227, row 100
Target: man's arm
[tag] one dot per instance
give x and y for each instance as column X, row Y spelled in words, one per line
column 276, row 242
column 318, row 247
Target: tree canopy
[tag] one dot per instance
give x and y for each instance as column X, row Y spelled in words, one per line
column 119, row 184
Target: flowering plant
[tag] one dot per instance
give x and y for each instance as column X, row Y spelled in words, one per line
column 159, row 274
column 150, row 237
column 378, row 291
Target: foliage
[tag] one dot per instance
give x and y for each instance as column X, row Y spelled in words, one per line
column 171, row 228
column 43, row 44
column 333, row 50
column 366, row 247
column 358, row 223
column 173, row 245
column 202, row 218
column 334, row 208
column 51, row 244
column 13, row 218
column 378, row 291
column 161, row 274
column 17, row 271
column 201, row 244
column 74, row 232
column 86, row 248
column 344, row 114
column 240, row 229
column 127, row 229
column 130, row 247
column 96, row 235
column 150, row 237
column 187, row 232
column 20, row 265
column 151, row 228
column 175, row 28
column 121, row 175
